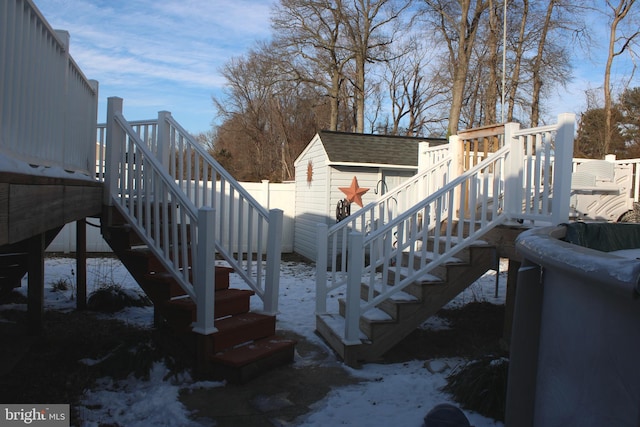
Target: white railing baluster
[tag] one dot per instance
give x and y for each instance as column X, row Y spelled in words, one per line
column 352, row 318
column 321, row 268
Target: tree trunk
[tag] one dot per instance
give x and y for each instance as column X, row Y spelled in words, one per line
column 466, row 37
column 620, row 12
column 334, row 101
column 359, row 92
column 491, row 95
column 537, row 66
column 517, row 63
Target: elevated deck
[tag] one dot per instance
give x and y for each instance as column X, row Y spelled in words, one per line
column 34, row 204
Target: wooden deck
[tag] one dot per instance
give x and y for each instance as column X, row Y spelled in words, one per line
column 33, row 209
column 31, row 205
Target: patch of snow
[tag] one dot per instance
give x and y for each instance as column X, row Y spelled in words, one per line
column 393, row 394
column 628, row 253
column 9, row 164
column 436, row 323
column 376, row 314
column 133, row 402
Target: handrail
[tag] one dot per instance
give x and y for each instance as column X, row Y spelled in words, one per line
column 407, row 235
column 245, row 233
column 146, row 191
column 196, row 172
column 515, row 182
column 368, row 219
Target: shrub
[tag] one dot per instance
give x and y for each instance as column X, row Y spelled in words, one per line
column 61, row 285
column 112, row 298
column 481, row 386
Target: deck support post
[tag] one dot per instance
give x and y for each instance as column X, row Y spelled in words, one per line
column 35, row 291
column 81, row 264
column 321, row 269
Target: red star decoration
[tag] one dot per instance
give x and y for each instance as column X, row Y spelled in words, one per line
column 354, row 193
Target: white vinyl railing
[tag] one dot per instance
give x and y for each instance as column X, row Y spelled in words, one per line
column 48, row 108
column 333, row 241
column 198, row 187
column 515, row 182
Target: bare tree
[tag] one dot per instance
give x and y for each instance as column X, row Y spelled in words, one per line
column 491, row 90
column 267, row 117
column 457, row 21
column 365, row 22
column 415, row 88
column 538, row 61
column 519, row 49
column 618, row 43
column 312, row 34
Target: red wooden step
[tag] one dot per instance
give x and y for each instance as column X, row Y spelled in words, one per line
column 245, row 362
column 241, row 328
column 227, row 302
column 222, row 280
column 252, row 351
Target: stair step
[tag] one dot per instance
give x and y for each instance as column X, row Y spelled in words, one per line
column 252, row 351
column 221, row 278
column 228, row 302
column 13, row 259
column 244, row 344
column 396, row 317
column 164, row 214
column 241, row 328
column 396, row 306
column 242, row 363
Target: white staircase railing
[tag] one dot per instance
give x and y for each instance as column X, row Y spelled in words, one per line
column 156, row 166
column 333, row 240
column 516, row 182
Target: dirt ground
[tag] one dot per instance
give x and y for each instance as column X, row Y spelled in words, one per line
column 46, row 368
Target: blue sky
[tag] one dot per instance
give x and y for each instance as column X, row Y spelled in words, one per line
column 166, row 54
column 159, row 54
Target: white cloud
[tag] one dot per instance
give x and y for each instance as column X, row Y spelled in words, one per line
column 142, row 50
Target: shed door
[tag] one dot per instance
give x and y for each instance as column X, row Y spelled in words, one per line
column 393, row 178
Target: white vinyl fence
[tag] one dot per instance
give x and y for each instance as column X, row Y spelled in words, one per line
column 270, row 195
column 48, row 108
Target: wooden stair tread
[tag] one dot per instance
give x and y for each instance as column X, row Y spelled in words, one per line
column 250, row 352
column 241, row 320
column 222, row 280
column 222, row 295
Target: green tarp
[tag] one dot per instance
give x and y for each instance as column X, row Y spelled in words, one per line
column 603, row 236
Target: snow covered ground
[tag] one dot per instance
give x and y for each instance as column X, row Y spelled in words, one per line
column 392, row 394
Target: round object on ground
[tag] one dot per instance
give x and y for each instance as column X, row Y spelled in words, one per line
column 446, row 415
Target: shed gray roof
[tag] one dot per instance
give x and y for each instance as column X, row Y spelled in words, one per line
column 343, row 147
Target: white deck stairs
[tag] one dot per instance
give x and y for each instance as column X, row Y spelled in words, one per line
column 381, row 272
column 396, row 317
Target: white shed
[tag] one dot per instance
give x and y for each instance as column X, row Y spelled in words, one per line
column 331, row 160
